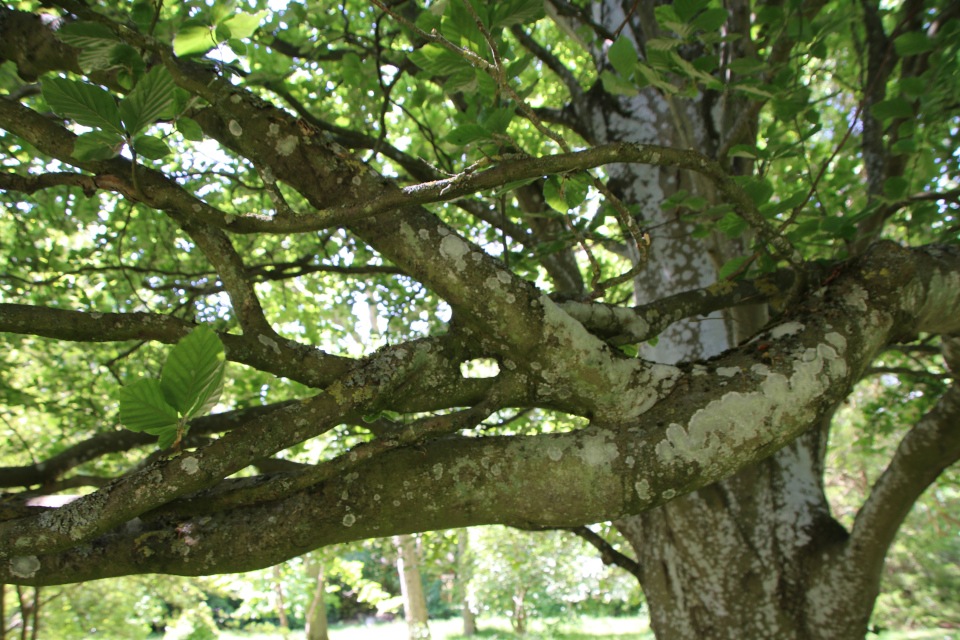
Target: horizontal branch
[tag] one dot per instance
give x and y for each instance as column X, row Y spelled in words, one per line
column 49, row 470
column 721, row 416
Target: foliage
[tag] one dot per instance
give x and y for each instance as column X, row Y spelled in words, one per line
column 234, row 179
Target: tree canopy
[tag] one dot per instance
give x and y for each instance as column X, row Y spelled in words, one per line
column 407, row 254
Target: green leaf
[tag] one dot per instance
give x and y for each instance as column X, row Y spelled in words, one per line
column 732, row 267
column 746, row 66
column 895, row 187
column 190, row 129
column 242, row 25
column 700, row 231
column 563, row 194
column 732, row 225
column 623, row 56
column 436, row 60
column 760, row 190
column 664, row 44
column 912, row 43
column 151, row 147
column 616, row 85
column 467, row 133
column 143, row 407
column 694, row 203
column 147, row 101
column 686, row 9
column 97, row 145
column 192, row 377
column 507, row 14
column 194, row 37
column 167, row 437
column 893, row 108
column 86, row 34
column 83, row 103
column 710, row 20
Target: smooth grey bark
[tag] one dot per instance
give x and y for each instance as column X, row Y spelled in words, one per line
column 464, row 574
column 316, row 628
column 411, row 587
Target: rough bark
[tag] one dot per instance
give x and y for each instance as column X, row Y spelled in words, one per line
column 661, row 428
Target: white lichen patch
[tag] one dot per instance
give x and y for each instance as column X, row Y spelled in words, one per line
column 492, row 283
column 700, row 370
column 597, row 451
column 25, row 566
column 349, row 520
column 786, row 329
column 273, row 129
column 190, row 465
column 643, row 490
column 235, row 128
column 857, row 298
column 438, row 471
column 286, row 146
column 728, row 372
column 269, row 342
column 837, row 340
column 669, row 494
column 739, row 421
column 554, row 453
column 455, row 249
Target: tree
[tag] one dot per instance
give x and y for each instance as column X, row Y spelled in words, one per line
column 477, row 178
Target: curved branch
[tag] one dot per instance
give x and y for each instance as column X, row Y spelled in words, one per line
column 925, row 451
column 608, row 554
column 286, row 358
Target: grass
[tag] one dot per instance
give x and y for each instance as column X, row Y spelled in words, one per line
column 488, row 629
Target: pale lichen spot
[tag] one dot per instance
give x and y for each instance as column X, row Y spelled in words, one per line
column 669, row 494
column 349, row 520
column 643, row 490
column 728, row 372
column 235, row 128
column 424, row 234
column 597, row 451
column 837, row 341
column 286, row 146
column 197, row 207
column 190, row 465
column 236, row 98
column 438, row 471
column 785, row 329
column 857, row 298
column 24, row 567
column 455, row 249
column 273, row 129
column 629, row 461
column 554, row 453
column 269, row 342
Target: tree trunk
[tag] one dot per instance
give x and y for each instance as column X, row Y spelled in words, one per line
column 519, row 619
column 743, row 558
column 464, row 573
column 317, row 612
column 279, row 603
column 411, row 587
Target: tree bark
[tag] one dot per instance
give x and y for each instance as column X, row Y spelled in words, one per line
column 411, row 587
column 278, row 601
column 464, row 574
column 317, row 612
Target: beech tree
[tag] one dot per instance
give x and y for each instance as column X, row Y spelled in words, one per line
column 343, row 215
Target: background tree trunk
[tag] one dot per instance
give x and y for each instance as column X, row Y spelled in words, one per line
column 279, row 601
column 414, row 603
column 317, row 628
column 464, row 573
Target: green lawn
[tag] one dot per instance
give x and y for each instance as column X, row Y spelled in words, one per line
column 499, row 629
column 489, row 629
